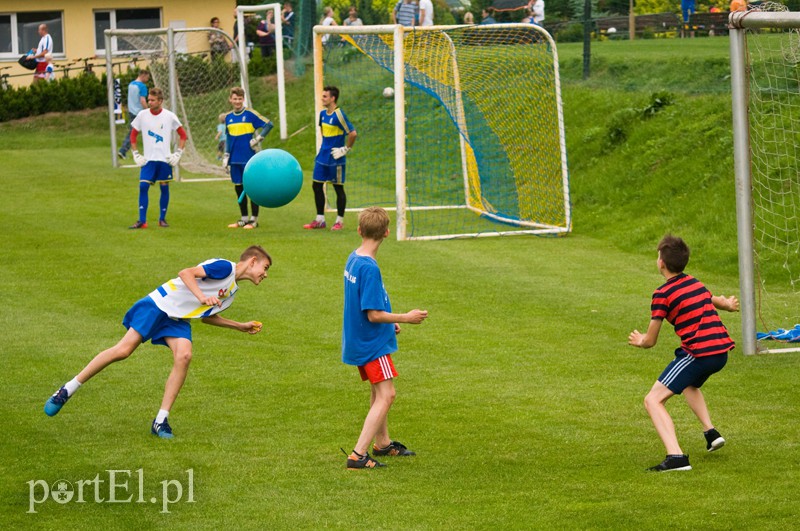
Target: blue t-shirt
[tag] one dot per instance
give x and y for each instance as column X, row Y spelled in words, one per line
column 363, row 341
column 335, row 128
column 241, row 127
column 136, row 90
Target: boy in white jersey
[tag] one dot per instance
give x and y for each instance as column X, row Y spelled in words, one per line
column 156, row 125
column 163, row 317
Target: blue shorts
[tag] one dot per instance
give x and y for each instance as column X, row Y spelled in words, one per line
column 687, row 371
column 155, row 171
column 153, row 324
column 329, row 174
column 687, row 8
column 237, row 173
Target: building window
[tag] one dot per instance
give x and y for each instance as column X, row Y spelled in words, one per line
column 19, row 32
column 122, row 19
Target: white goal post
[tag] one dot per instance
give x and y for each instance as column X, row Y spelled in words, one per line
column 469, row 141
column 765, row 55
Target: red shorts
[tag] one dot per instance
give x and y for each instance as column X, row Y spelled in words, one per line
column 378, row 370
column 41, row 67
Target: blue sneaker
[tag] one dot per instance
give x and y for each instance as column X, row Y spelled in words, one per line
column 163, row 430
column 56, row 402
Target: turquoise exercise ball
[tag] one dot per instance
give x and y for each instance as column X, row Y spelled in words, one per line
column 272, row 178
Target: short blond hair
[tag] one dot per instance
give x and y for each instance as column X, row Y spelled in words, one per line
column 373, row 223
column 237, row 91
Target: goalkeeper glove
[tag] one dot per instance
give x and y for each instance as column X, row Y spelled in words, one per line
column 225, row 158
column 175, row 158
column 255, row 141
column 338, row 153
column 138, row 159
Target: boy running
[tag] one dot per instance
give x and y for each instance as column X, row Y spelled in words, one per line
column 163, row 317
column 369, row 337
column 688, row 306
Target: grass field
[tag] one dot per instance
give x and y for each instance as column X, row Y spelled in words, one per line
column 519, row 393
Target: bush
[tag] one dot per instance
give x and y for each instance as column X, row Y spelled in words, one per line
column 68, row 94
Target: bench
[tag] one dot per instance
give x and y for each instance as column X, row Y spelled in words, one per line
column 709, row 23
column 656, row 24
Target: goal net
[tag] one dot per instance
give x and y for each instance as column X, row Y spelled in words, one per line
column 460, row 128
column 765, row 57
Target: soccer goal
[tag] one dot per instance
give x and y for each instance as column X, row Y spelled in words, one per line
column 765, row 57
column 460, row 128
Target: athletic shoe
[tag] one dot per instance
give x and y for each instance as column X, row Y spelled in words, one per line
column 121, row 155
column 673, row 463
column 394, row 448
column 238, row 225
column 337, row 226
column 355, row 462
column 56, row 402
column 251, row 225
column 139, row 225
column 714, row 440
column 315, row 225
column 163, row 430
column 163, row 223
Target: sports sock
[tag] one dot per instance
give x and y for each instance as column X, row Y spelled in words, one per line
column 254, row 219
column 162, row 416
column 341, row 199
column 339, row 219
column 144, row 189
column 164, row 203
column 319, row 199
column 72, row 386
column 320, row 219
column 239, row 188
column 253, row 209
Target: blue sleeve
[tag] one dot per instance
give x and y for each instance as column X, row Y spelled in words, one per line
column 218, row 269
column 372, row 294
column 143, row 92
column 347, row 122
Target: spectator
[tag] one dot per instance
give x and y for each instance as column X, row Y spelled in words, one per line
column 49, row 74
column 425, row 13
column 327, row 20
column 221, row 137
column 266, row 35
column 687, row 9
column 469, row 18
column 137, row 101
column 287, row 24
column 216, row 41
column 738, row 5
column 486, row 16
column 405, row 13
column 537, row 11
column 45, row 47
column 352, row 19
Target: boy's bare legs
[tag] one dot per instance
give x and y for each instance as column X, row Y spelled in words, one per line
column 129, row 342
column 655, row 402
column 375, row 425
column 696, row 401
column 182, row 356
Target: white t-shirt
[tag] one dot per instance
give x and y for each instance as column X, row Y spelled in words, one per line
column 538, row 11
column 175, row 299
column 328, row 21
column 46, row 46
column 156, row 132
column 427, row 5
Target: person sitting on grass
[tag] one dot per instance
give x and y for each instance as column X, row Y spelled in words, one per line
column 688, row 306
column 164, row 316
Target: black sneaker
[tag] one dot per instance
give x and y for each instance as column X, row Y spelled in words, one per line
column 714, row 440
column 121, row 155
column 139, row 225
column 395, row 448
column 672, row 463
column 355, row 462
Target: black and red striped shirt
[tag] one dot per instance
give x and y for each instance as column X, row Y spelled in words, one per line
column 686, row 304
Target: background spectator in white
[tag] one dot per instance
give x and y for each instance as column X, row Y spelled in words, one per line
column 45, row 47
column 327, row 20
column 537, row 8
column 352, row 19
column 425, row 13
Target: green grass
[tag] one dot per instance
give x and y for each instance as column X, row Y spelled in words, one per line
column 519, row 393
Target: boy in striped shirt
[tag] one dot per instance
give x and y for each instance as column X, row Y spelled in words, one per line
column 688, row 306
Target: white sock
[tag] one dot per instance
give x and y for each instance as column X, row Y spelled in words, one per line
column 254, row 218
column 162, row 416
column 321, row 219
column 339, row 219
column 244, row 218
column 72, row 386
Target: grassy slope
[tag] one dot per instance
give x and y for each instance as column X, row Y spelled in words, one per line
column 519, row 393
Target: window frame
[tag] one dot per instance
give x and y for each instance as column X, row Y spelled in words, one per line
column 112, row 22
column 15, row 52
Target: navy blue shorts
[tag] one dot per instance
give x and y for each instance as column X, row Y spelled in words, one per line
column 687, row 371
column 329, row 174
column 237, row 173
column 155, row 171
column 153, row 324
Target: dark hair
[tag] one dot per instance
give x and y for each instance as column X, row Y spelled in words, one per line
column 157, row 93
column 257, row 251
column 674, row 252
column 215, row 19
column 333, row 91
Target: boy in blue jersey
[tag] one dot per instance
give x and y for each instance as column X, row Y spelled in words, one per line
column 369, row 337
column 245, row 129
column 338, row 137
column 163, row 317
column 137, row 102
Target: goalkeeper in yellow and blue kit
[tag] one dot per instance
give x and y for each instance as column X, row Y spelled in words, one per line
column 338, row 137
column 245, row 130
